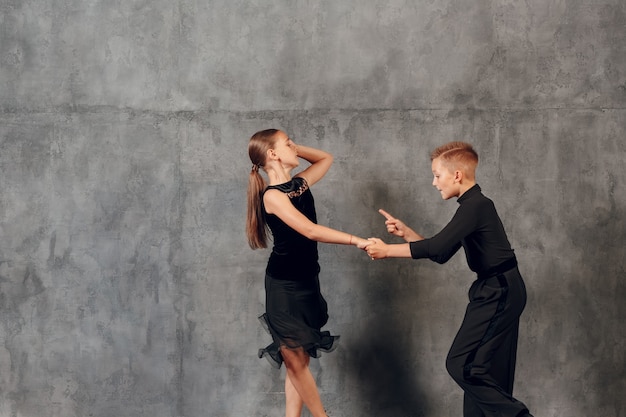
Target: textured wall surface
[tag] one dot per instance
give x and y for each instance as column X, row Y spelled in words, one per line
column 126, row 284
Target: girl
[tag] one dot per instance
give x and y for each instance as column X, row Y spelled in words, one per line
column 295, row 308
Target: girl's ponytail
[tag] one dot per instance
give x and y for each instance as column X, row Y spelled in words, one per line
column 256, row 228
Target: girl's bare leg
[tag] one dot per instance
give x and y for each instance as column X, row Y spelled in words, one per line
column 300, row 377
column 293, row 400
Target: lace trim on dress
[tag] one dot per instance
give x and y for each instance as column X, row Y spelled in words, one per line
column 300, row 190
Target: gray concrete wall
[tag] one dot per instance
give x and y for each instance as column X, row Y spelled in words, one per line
column 126, row 284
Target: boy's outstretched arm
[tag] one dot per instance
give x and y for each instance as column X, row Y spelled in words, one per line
column 380, row 250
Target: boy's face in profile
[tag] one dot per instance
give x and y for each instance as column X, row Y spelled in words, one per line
column 444, row 180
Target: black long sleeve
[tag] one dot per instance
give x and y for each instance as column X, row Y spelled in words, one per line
column 476, row 227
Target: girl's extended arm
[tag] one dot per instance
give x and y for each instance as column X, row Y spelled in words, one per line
column 279, row 204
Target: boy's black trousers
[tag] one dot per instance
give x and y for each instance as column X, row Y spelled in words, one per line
column 482, row 357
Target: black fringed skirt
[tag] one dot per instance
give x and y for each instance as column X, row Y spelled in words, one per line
column 295, row 313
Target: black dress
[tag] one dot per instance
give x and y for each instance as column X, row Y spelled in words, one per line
column 295, row 308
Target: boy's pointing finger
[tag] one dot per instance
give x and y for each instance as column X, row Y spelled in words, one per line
column 387, row 215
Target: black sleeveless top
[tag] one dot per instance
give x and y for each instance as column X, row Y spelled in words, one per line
column 294, row 257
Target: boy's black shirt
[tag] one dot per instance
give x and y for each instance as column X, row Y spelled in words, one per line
column 477, row 227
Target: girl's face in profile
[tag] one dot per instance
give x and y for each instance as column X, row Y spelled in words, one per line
column 286, row 150
column 444, row 180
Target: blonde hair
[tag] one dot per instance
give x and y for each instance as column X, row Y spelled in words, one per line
column 256, row 227
column 457, row 155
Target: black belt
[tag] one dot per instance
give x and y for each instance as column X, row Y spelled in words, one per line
column 498, row 269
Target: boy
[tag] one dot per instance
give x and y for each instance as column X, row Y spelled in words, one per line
column 482, row 357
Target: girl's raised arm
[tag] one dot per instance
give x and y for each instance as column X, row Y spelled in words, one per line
column 320, row 163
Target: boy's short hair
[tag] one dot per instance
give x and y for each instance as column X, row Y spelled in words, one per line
column 457, row 155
